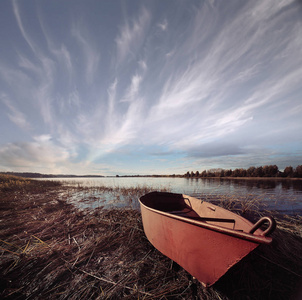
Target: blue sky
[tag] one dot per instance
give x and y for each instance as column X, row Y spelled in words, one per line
column 149, row 87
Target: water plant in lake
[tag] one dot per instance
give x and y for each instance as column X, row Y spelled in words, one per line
column 104, row 196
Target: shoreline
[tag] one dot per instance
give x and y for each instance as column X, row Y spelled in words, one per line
column 62, row 176
column 249, row 178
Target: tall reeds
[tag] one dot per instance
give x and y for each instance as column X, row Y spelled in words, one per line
column 107, row 196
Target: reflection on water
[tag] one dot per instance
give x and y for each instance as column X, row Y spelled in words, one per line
column 266, row 184
column 284, row 196
column 281, row 195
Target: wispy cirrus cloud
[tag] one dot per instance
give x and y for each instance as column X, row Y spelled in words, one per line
column 25, row 35
column 122, row 125
column 214, row 95
column 57, row 48
column 14, row 114
column 221, row 90
column 91, row 54
column 133, row 89
column 40, row 70
column 131, row 36
column 163, row 25
column 43, row 74
column 198, row 80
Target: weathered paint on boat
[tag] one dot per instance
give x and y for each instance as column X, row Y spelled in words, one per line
column 206, row 240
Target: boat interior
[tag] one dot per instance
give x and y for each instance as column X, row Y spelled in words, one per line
column 196, row 209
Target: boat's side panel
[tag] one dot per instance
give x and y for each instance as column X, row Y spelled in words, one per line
column 204, row 253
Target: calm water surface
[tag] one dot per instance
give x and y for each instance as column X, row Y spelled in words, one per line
column 284, row 196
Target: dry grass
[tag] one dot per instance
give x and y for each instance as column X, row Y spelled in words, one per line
column 52, row 250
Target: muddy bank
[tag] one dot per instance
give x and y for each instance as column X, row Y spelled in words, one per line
column 52, row 250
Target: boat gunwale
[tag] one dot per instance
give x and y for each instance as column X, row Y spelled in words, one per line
column 238, row 234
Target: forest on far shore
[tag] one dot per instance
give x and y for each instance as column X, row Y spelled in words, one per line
column 262, row 171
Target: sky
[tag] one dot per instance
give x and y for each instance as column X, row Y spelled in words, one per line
column 149, row 87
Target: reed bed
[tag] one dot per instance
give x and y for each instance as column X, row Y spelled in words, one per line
column 109, row 197
column 50, row 249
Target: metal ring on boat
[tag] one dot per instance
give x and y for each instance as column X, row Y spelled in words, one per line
column 271, row 227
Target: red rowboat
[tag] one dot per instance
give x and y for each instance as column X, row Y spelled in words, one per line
column 206, row 240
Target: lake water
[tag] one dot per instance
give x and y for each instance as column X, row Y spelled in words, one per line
column 284, row 196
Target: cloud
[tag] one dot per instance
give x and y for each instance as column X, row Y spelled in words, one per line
column 15, row 115
column 200, row 81
column 143, row 65
column 235, row 77
column 214, row 149
column 110, row 120
column 39, row 154
column 11, row 75
column 28, row 65
column 124, row 128
column 131, row 36
column 27, row 38
column 251, row 157
column 133, row 89
column 63, row 54
column 164, row 25
column 45, row 157
column 44, row 138
column 91, row 54
column 38, row 73
column 41, row 77
column 64, row 58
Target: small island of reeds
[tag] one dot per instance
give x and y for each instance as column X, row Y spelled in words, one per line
column 52, row 249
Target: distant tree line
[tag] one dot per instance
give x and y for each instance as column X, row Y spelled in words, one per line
column 262, row 171
column 39, row 175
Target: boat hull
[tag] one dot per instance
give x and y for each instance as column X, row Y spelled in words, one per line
column 206, row 251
